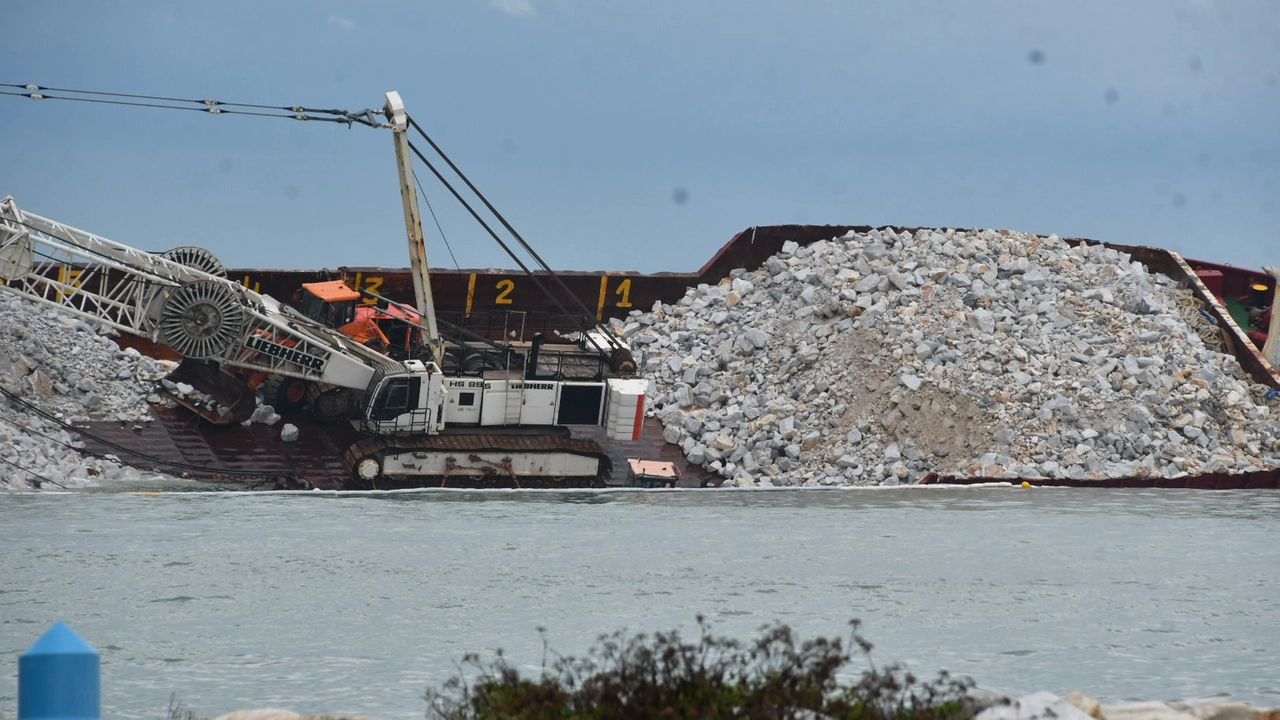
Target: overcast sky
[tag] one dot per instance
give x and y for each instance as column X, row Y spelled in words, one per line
column 643, row 134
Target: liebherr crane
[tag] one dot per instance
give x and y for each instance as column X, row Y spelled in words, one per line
column 421, row 425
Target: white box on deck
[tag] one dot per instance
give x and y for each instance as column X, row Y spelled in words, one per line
column 625, row 417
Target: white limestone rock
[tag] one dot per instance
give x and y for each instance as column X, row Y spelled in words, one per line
column 949, row 344
column 1041, row 705
column 1150, row 710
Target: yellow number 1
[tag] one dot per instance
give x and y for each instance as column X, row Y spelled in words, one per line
column 624, row 290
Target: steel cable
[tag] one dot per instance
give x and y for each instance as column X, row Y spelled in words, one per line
column 586, row 313
column 364, row 117
column 457, row 196
column 197, row 470
column 40, row 479
column 436, row 219
column 213, row 107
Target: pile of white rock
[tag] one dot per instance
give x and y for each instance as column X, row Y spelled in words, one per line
column 71, row 370
column 882, row 357
column 1045, row 705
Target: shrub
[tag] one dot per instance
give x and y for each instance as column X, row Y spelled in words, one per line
column 664, row 676
column 178, row 710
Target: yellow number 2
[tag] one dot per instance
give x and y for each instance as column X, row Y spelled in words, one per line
column 505, row 286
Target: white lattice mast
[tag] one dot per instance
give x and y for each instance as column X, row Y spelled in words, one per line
column 200, row 314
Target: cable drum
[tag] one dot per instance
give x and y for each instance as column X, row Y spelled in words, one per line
column 202, row 319
column 196, row 258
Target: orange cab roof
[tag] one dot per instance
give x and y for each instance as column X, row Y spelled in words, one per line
column 331, row 291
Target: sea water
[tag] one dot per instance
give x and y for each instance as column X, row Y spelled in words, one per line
column 357, row 603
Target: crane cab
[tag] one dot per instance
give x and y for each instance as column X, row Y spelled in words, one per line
column 404, row 399
column 329, row 303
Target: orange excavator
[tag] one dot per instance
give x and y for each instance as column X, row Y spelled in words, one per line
column 334, row 304
column 337, row 306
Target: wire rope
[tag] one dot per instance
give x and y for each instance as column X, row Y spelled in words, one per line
column 436, row 219
column 40, row 479
column 585, row 312
column 457, row 196
column 213, row 107
column 366, row 117
column 520, row 238
column 1193, row 313
column 200, row 470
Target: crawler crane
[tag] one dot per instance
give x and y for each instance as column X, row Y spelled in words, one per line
column 501, row 424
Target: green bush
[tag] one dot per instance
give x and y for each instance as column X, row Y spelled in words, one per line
column 663, row 676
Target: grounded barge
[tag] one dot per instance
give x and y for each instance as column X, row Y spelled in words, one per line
column 505, row 302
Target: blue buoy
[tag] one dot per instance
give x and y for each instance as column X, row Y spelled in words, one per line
column 58, row 678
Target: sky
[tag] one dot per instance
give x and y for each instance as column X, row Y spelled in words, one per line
column 644, row 134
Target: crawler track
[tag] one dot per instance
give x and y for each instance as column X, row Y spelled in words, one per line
column 465, row 449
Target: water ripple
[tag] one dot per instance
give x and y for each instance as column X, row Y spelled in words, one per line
column 325, row 602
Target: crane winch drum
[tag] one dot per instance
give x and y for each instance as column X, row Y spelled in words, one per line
column 197, row 258
column 202, row 319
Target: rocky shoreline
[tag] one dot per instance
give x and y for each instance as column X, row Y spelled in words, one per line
column 878, row 358
column 1076, row 706
column 984, row 706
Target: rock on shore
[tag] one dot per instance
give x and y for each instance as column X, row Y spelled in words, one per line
column 1076, row 706
column 986, row 705
column 881, row 357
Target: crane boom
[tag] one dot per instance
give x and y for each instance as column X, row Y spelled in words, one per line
column 413, row 225
column 199, row 314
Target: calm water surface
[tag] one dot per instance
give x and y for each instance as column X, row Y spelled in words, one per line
column 357, row 603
